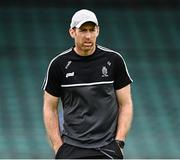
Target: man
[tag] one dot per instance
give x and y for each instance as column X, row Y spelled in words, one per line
column 93, row 84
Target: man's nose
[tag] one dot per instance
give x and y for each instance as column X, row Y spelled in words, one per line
column 88, row 34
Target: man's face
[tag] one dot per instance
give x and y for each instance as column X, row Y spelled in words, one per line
column 85, row 37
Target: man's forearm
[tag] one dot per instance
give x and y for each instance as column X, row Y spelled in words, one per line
column 124, row 121
column 51, row 122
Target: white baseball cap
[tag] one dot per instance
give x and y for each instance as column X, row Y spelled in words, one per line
column 82, row 16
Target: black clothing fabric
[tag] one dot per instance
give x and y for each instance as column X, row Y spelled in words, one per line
column 110, row 151
column 87, row 86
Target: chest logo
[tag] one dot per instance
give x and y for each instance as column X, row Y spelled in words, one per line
column 104, row 72
column 68, row 64
column 70, row 74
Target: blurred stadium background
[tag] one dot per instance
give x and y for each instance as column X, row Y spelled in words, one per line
column 146, row 32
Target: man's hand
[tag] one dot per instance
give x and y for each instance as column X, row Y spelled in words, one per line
column 56, row 147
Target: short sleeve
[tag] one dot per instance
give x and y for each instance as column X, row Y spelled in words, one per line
column 122, row 77
column 52, row 82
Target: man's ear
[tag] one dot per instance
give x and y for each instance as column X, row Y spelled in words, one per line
column 72, row 32
column 98, row 30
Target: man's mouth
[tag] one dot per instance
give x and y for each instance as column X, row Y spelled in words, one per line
column 87, row 43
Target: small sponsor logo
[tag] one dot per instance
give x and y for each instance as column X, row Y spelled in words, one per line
column 68, row 64
column 69, row 74
column 109, row 63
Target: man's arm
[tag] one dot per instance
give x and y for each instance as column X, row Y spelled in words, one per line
column 51, row 120
column 125, row 112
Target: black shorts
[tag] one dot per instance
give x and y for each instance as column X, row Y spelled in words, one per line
column 110, row 151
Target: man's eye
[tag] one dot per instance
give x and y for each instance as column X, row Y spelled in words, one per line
column 92, row 30
column 83, row 30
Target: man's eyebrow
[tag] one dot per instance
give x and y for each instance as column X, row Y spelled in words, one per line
column 88, row 28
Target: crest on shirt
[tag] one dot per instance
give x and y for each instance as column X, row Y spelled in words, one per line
column 104, row 71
